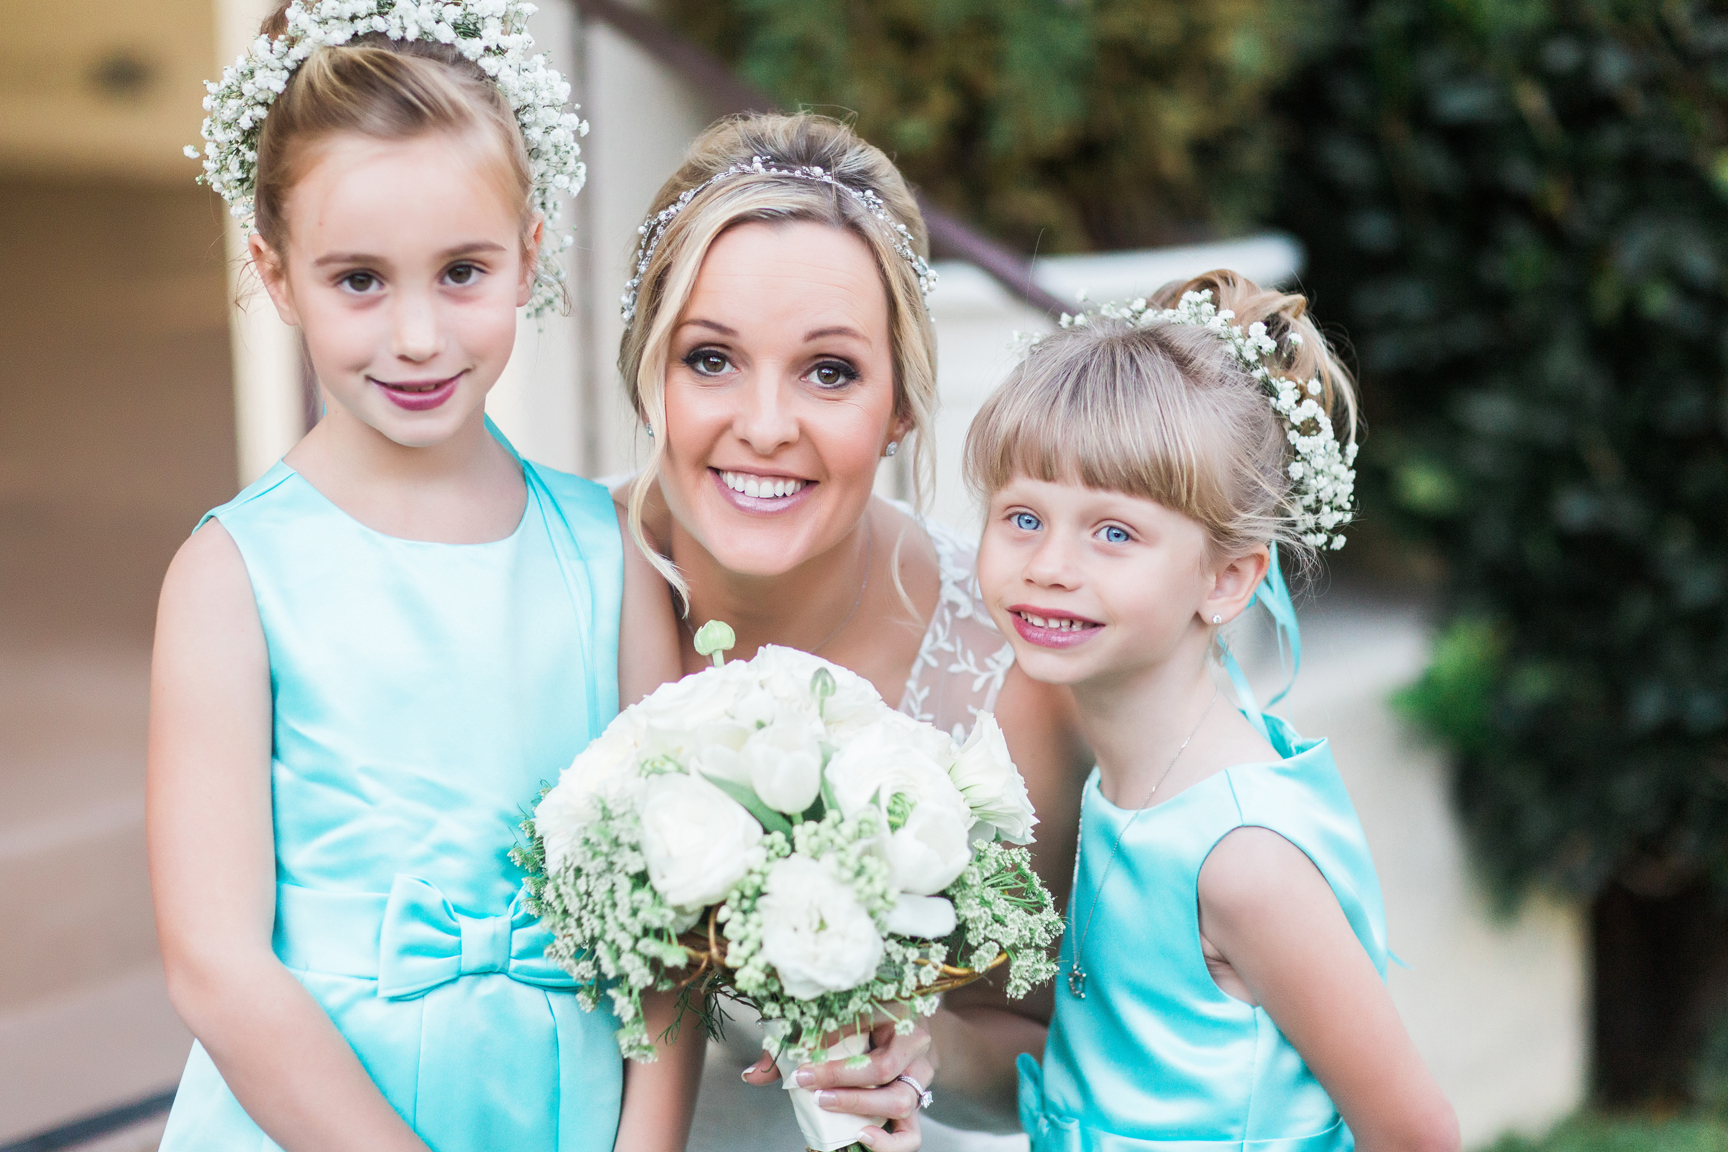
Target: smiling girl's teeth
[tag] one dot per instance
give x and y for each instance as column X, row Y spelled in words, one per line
column 1055, row 623
column 761, row 487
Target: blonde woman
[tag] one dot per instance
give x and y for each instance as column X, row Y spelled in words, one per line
column 778, row 346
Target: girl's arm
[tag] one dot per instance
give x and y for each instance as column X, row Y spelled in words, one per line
column 213, row 868
column 1282, row 941
column 659, row 1097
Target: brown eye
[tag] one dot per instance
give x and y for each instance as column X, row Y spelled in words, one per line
column 706, row 362
column 359, row 282
column 462, row 274
column 832, row 374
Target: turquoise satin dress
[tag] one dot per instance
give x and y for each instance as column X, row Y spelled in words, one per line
column 423, row 694
column 1156, row 1056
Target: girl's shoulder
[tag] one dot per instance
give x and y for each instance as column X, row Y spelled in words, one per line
column 587, row 505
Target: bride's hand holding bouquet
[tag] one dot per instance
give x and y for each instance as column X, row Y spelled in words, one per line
column 771, row 831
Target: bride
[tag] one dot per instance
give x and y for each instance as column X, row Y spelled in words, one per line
column 777, row 347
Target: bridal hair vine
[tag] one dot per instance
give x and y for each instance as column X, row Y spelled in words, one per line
column 1323, row 470
column 653, row 230
column 491, row 33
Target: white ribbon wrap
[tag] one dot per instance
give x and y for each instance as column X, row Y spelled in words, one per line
column 827, row 1131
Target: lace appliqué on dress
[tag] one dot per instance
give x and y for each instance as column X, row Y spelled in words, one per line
column 963, row 658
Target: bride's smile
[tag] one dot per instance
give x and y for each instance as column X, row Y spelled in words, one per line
column 780, row 398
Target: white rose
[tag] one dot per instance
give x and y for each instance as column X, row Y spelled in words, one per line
column 698, row 840
column 606, row 766
column 787, row 672
column 678, row 716
column 986, row 776
column 927, row 917
column 785, row 762
column 930, row 849
column 814, row 932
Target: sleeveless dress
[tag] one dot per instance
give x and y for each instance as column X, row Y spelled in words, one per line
column 961, row 665
column 423, row 695
column 1156, row 1057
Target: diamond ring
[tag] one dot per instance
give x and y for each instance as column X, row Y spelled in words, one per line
column 925, row 1096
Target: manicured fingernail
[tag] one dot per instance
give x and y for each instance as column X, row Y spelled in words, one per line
column 824, row 1099
column 804, row 1077
column 745, row 1075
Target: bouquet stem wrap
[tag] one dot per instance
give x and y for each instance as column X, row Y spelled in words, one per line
column 826, row 1131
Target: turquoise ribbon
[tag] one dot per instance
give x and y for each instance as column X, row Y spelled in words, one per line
column 424, row 942
column 1273, row 595
column 410, row 940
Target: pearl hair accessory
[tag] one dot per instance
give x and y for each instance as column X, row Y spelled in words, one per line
column 491, row 33
column 654, row 228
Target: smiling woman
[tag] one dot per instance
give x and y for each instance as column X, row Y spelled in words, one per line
column 778, row 347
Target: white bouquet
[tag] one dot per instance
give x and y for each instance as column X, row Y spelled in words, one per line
column 771, row 831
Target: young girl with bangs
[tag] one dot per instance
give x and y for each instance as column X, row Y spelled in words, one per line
column 368, row 662
column 1222, row 975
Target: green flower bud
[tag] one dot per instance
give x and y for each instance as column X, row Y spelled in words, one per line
column 715, row 639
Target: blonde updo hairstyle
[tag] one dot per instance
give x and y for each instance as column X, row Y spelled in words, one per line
column 391, row 90
column 796, row 141
column 1166, row 412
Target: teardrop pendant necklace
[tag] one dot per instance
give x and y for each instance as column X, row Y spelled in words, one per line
column 1077, row 973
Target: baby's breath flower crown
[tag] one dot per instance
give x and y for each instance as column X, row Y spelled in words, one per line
column 1321, row 500
column 654, row 228
column 491, row 33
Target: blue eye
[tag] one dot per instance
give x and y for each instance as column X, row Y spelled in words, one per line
column 1025, row 521
column 1114, row 534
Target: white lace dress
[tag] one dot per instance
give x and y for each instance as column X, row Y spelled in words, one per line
column 961, row 665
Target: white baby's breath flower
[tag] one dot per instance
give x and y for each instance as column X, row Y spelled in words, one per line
column 815, row 933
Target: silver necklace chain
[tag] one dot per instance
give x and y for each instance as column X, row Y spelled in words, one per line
column 1076, row 973
column 869, row 557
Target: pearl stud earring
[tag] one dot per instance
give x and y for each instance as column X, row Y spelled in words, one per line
column 893, row 447
column 1217, row 619
column 650, row 428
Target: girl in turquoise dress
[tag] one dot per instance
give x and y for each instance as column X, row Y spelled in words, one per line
column 1222, row 976
column 370, row 660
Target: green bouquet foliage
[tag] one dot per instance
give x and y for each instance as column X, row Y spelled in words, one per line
column 1519, row 212
column 1057, row 125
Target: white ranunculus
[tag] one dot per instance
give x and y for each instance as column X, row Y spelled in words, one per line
column 698, row 840
column 992, row 785
column 930, row 849
column 888, row 757
column 927, row 917
column 605, row 767
column 785, row 762
column 814, row 932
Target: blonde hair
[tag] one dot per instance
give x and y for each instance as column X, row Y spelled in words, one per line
column 800, row 140
column 387, row 90
column 1166, row 412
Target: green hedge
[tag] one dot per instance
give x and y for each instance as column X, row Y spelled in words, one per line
column 1058, row 125
column 1519, row 213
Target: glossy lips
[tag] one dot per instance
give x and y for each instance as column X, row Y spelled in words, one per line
column 420, row 395
column 754, row 492
column 1052, row 629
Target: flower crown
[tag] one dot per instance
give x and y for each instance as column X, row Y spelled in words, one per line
column 491, row 33
column 1321, row 499
column 654, row 228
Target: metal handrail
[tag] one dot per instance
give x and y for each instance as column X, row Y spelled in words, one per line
column 949, row 236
